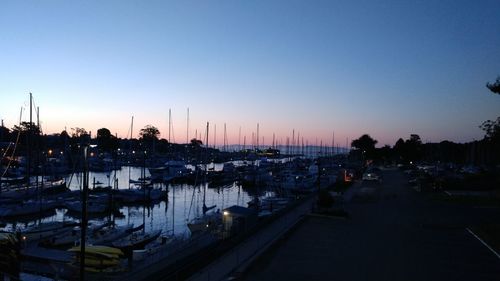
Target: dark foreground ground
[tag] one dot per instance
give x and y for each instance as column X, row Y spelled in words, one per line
column 393, row 233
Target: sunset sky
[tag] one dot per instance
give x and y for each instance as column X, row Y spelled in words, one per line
column 386, row 68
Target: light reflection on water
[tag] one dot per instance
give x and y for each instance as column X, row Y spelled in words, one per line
column 184, row 203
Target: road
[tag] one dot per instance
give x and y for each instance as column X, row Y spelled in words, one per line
column 393, row 233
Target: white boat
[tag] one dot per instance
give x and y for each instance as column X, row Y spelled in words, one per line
column 207, row 222
column 136, row 240
column 109, row 234
column 170, row 170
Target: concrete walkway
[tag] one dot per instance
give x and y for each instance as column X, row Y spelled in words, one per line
column 238, row 258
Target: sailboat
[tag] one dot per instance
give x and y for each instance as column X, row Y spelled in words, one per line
column 26, row 199
column 207, row 222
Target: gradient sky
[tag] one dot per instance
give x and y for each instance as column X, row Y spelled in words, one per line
column 387, row 68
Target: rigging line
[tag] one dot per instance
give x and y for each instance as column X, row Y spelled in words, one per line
column 13, row 153
column 6, row 150
column 15, row 146
column 195, row 184
column 74, row 169
column 194, row 191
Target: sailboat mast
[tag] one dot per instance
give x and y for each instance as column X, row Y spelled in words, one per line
column 239, row 138
column 225, row 137
column 132, row 128
column 130, row 148
column 38, row 144
column 257, row 139
column 297, row 143
column 169, row 124
column 187, row 126
column 205, row 175
column 28, row 153
column 333, row 143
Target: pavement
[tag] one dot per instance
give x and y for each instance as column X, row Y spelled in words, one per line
column 393, row 233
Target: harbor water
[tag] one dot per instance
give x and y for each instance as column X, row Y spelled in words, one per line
column 184, row 202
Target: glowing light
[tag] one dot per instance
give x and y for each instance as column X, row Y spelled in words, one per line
column 226, row 213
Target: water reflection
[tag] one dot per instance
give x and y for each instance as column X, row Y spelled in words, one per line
column 184, row 203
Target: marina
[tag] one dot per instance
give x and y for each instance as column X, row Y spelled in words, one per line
column 249, row 140
column 153, row 216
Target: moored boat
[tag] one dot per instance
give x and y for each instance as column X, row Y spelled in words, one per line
column 135, row 241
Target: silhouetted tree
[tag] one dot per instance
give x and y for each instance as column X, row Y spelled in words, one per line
column 4, row 134
column 26, row 130
column 106, row 141
column 79, row 136
column 414, row 148
column 26, row 127
column 492, row 129
column 78, row 132
column 409, row 150
column 149, row 133
column 64, row 138
column 384, row 153
column 366, row 144
column 196, row 142
column 494, row 87
column 399, row 146
column 103, row 133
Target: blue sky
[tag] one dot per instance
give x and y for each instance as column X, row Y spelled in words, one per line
column 387, row 68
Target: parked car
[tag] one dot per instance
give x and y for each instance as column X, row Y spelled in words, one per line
column 370, row 176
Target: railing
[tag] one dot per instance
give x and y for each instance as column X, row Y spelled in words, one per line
column 245, row 252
